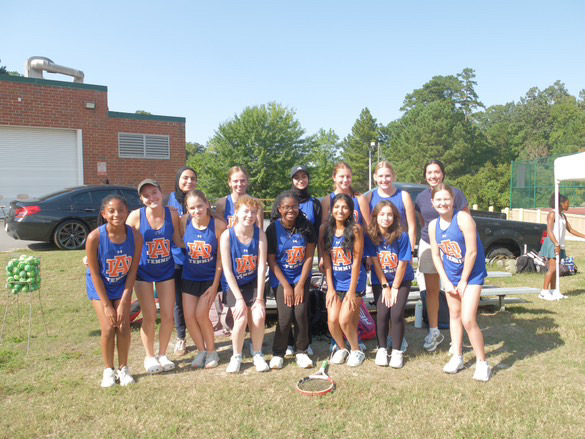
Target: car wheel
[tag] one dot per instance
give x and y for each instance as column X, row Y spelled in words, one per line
column 499, row 253
column 70, row 235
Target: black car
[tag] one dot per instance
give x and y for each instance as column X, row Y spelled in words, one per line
column 65, row 217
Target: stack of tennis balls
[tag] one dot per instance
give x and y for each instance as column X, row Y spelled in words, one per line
column 23, row 274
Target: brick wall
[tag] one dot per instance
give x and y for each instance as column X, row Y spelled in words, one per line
column 55, row 104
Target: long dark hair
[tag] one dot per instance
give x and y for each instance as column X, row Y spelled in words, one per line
column 394, row 231
column 302, row 224
column 348, row 232
column 101, row 220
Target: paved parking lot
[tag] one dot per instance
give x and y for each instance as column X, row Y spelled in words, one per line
column 8, row 244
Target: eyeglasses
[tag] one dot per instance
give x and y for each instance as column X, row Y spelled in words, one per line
column 289, row 208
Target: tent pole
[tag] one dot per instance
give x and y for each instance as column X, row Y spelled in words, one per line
column 557, row 230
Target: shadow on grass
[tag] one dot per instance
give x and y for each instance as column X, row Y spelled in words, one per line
column 575, row 293
column 521, row 338
column 43, row 247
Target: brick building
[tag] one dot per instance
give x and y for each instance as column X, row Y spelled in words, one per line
column 56, row 134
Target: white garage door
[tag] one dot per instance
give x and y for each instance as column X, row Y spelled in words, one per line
column 37, row 161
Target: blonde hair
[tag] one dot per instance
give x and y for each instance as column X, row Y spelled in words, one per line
column 385, row 164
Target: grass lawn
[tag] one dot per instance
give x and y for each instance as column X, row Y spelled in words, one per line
column 537, row 349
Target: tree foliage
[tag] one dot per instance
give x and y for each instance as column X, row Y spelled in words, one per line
column 266, row 140
column 444, row 119
column 355, row 148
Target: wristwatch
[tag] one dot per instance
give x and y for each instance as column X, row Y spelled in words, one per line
column 384, row 285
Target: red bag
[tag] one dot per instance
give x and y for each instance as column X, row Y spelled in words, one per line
column 366, row 324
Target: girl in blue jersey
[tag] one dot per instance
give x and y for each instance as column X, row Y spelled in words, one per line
column 201, row 274
column 308, row 205
column 434, row 173
column 388, row 248
column 342, row 176
column 158, row 226
column 112, row 266
column 238, row 181
column 291, row 246
column 459, row 258
column 185, row 181
column 384, row 176
column 342, row 246
column 243, row 257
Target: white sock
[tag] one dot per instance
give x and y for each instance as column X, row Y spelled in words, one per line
column 434, row 331
column 481, row 363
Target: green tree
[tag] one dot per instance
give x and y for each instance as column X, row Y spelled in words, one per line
column 323, row 154
column 355, row 148
column 267, row 140
column 3, row 70
column 488, row 187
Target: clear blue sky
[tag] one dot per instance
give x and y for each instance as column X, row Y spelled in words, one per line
column 327, row 60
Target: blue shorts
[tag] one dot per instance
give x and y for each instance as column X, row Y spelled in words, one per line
column 114, row 292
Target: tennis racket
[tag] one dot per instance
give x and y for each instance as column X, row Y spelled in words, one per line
column 317, row 384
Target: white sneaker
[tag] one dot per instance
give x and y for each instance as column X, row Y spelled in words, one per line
column 303, row 361
column 546, row 295
column 483, row 371
column 199, row 360
column 235, row 363
column 151, row 365
column 310, row 349
column 432, row 340
column 276, row 362
column 454, row 365
column 211, row 360
column 356, row 358
column 382, row 357
column 396, row 359
column 124, row 377
column 290, row 351
column 403, row 345
column 260, row 362
column 108, row 378
column 165, row 363
column 339, row 356
column 180, row 348
column 556, row 295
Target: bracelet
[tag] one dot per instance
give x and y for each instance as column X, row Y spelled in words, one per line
column 395, row 288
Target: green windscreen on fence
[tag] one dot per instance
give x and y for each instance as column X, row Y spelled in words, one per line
column 532, row 184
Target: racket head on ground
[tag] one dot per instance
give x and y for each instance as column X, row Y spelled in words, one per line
column 317, row 384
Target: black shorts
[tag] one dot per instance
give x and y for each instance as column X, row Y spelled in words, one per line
column 249, row 292
column 195, row 288
column 342, row 294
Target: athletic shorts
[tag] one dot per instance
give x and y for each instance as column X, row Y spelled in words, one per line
column 342, row 294
column 249, row 292
column 425, row 258
column 114, row 292
column 548, row 250
column 195, row 288
column 139, row 279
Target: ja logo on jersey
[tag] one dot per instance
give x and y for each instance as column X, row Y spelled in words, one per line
column 340, row 256
column 118, row 266
column 388, row 260
column 295, row 255
column 199, row 250
column 158, row 248
column 246, row 265
column 450, row 248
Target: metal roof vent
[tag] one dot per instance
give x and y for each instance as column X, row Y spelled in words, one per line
column 36, row 64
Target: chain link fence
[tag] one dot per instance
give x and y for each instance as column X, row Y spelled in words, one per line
column 532, row 184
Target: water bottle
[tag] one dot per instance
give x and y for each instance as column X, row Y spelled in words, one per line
column 418, row 314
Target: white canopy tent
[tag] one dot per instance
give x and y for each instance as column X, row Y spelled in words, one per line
column 570, row 167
